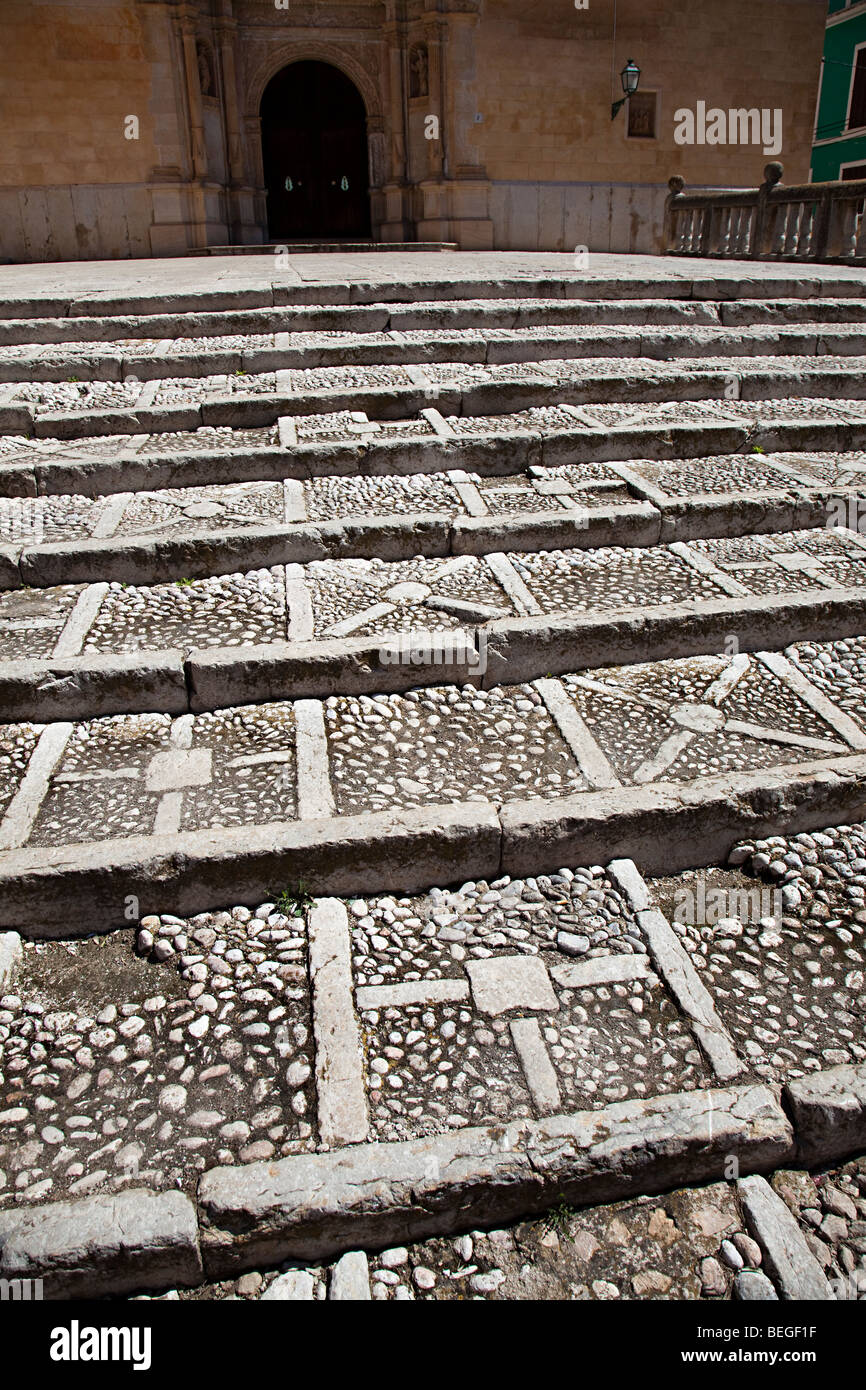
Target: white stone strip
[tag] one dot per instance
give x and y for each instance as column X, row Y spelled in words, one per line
column 537, row 1066
column 299, row 608
column 418, row 376
column 350, row 1278
column 11, row 951
column 805, row 479
column 467, row 492
column 664, row 757
column 725, row 683
column 673, row 964
column 590, row 759
column 80, row 620
column 578, row 414
column 786, row 1253
column 639, row 484
column 814, row 698
column 287, row 431
column 759, row 731
column 259, row 759
column 412, row 992
column 294, row 502
column 180, row 731
column 342, row 1104
column 109, row 516
column 147, row 394
column 696, row 560
column 282, row 342
column 601, row 970
column 507, row 576
column 24, row 806
column 438, row 423
column 367, row 615
column 167, row 818
column 284, row 387
column 315, row 798
column 851, row 535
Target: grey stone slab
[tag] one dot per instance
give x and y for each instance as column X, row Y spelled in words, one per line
column 636, row 523
column 501, row 983
column 83, row 687
column 314, row 1206
column 667, row 827
column 786, row 1253
column 537, row 1067
column 411, row 992
column 518, row 648
column 45, row 893
column 601, row 970
column 116, row 1244
column 350, row 1278
column 829, row 1113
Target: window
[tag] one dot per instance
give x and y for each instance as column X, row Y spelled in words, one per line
column 642, row 115
column 857, row 108
column 854, row 171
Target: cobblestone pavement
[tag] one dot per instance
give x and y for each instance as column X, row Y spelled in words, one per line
column 227, row 987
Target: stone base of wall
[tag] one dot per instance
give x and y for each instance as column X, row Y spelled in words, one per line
column 541, row 216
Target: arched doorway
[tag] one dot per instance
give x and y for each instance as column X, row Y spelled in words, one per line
column 314, row 151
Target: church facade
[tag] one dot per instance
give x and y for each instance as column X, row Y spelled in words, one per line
column 158, row 127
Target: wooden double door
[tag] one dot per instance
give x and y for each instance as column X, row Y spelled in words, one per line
column 314, row 148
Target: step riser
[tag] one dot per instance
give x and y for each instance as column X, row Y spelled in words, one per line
column 515, row 651
column 395, row 403
column 154, row 560
column 665, row 828
column 680, row 286
column 488, row 456
column 626, row 345
column 406, row 318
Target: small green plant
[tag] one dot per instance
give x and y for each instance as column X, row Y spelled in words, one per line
column 558, row 1219
column 183, row 583
column 756, row 449
column 239, row 371
column 293, row 902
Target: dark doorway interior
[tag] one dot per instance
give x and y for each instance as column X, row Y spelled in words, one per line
column 314, row 147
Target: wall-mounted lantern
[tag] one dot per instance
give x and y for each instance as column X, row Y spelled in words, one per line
column 630, row 77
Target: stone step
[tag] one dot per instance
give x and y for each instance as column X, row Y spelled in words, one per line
column 722, row 284
column 189, row 533
column 78, row 652
column 349, row 444
column 90, row 333
column 74, row 410
column 669, row 761
column 255, row 354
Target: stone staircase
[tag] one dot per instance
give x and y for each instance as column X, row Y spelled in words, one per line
column 341, row 592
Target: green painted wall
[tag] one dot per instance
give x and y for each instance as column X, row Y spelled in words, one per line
column 840, row 44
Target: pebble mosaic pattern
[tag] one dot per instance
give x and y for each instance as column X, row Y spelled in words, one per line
column 31, row 620
column 344, row 591
column 797, row 561
column 839, row 669
column 119, row 774
column 585, row 581
column 329, row 498
column 123, row 1070
column 230, row 610
column 433, row 1067
column 445, row 744
column 665, row 720
column 203, row 508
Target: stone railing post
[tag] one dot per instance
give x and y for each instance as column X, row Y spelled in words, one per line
column 676, row 186
column 763, row 220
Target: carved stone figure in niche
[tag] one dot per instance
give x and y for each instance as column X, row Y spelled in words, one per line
column 205, row 75
column 418, row 70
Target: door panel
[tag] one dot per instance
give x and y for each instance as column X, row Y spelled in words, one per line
column 314, row 147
